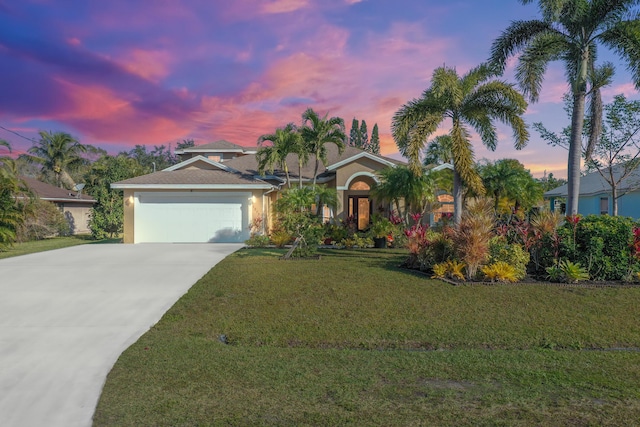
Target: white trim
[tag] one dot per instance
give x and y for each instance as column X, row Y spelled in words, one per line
column 441, row 167
column 192, row 186
column 359, row 156
column 356, row 175
column 202, row 159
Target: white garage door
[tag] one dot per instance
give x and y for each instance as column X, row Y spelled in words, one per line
column 191, row 217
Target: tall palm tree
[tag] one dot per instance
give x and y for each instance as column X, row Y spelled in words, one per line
column 58, row 154
column 474, row 100
column 570, row 31
column 318, row 131
column 283, row 142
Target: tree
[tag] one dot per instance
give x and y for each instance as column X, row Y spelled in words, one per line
column 284, row 141
column 317, row 132
column 107, row 218
column 355, row 138
column 570, row 31
column 374, row 145
column 157, row 159
column 508, row 181
column 58, row 154
column 186, row 143
column 364, row 136
column 616, row 154
column 438, row 151
column 400, row 183
column 549, row 182
column 14, row 199
column 474, row 100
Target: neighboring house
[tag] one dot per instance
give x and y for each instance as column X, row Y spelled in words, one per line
column 596, row 198
column 75, row 206
column 216, row 192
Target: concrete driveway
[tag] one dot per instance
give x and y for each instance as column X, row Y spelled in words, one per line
column 67, row 315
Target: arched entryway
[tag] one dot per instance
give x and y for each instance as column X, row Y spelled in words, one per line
column 358, row 201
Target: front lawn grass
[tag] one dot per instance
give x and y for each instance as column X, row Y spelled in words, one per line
column 352, row 339
column 50, row 244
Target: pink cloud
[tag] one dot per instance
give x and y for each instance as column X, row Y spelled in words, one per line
column 105, row 116
column 284, row 6
column 148, row 64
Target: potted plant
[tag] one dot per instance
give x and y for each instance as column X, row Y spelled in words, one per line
column 381, row 227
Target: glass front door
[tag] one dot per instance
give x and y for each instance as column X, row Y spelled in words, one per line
column 360, row 210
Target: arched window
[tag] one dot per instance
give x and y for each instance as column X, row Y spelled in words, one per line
column 360, row 186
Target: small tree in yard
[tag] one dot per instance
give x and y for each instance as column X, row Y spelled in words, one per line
column 107, row 216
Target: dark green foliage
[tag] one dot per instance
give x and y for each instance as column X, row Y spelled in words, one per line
column 374, row 144
column 107, row 218
column 603, row 245
column 155, row 160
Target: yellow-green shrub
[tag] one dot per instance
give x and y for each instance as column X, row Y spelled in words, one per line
column 500, row 271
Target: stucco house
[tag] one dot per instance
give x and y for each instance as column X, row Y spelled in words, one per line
column 596, row 197
column 215, row 192
column 75, row 206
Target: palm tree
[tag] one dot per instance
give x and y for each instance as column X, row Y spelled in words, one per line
column 4, row 143
column 438, row 151
column 475, row 100
column 283, row 142
column 570, row 31
column 508, row 179
column 58, row 154
column 399, row 183
column 318, row 131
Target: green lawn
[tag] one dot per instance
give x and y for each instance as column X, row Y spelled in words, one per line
column 50, row 244
column 352, row 339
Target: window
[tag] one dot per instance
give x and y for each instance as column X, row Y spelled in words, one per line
column 360, row 185
column 604, row 206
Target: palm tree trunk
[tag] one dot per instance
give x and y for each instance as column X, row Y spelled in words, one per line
column 457, row 197
column 315, row 170
column 575, row 144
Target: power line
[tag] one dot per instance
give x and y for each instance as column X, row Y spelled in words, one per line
column 17, row 134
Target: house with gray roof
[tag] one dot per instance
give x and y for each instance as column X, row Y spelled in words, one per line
column 74, row 205
column 596, row 196
column 216, row 191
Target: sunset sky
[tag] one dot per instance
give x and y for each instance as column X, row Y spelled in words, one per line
column 116, row 73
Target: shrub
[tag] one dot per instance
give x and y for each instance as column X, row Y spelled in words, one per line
column 512, row 254
column 471, row 237
column 44, row 219
column 280, row 238
column 500, row 271
column 603, row 244
column 257, row 241
column 452, row 269
column 567, row 271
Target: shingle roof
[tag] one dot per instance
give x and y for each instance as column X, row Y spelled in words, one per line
column 217, row 145
column 191, row 176
column 593, row 183
column 55, row 194
column 249, row 164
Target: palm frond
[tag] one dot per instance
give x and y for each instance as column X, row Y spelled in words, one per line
column 622, row 38
column 514, row 39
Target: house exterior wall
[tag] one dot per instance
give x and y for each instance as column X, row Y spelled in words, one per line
column 363, row 169
column 255, row 207
column 628, row 205
column 78, row 216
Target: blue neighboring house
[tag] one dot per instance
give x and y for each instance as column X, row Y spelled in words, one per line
column 596, row 197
